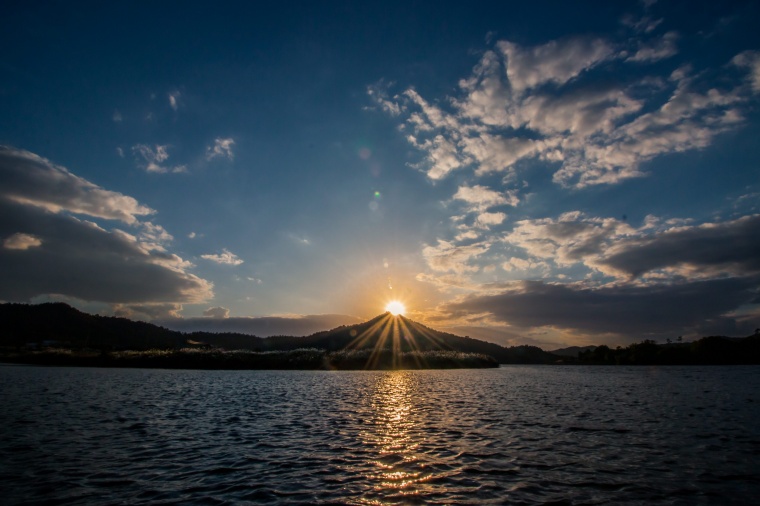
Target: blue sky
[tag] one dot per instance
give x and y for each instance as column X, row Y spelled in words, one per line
column 547, row 173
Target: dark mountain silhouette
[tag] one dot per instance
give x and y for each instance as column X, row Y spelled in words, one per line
column 61, row 325
column 21, row 324
column 408, row 335
column 712, row 350
column 24, row 326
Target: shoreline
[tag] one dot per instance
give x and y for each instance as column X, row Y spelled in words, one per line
column 304, row 359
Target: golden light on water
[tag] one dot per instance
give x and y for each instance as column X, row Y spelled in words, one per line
column 391, row 434
column 395, row 308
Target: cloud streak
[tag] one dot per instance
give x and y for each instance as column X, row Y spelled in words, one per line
column 224, row 258
column 222, row 148
column 28, row 179
column 152, row 159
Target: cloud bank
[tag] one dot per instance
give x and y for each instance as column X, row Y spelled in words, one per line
column 564, row 102
column 60, row 236
column 594, row 113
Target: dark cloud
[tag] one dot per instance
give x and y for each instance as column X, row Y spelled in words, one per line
column 48, row 250
column 262, row 326
column 79, row 259
column 732, row 247
column 632, row 311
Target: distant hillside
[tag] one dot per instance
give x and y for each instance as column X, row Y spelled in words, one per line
column 711, row 350
column 61, row 325
column 24, row 326
column 21, row 324
column 572, row 351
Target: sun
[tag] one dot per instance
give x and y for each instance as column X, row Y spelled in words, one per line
column 395, row 308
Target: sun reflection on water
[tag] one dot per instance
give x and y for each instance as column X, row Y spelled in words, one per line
column 393, row 437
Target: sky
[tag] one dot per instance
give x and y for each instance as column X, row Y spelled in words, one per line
column 543, row 173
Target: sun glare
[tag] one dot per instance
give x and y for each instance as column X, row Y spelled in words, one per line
column 395, row 308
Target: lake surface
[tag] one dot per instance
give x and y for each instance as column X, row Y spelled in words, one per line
column 515, row 435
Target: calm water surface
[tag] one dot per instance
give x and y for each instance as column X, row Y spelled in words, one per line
column 514, row 435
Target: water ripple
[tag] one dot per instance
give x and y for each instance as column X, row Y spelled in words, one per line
column 518, row 435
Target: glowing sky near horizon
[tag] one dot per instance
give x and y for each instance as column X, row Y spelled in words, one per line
column 546, row 173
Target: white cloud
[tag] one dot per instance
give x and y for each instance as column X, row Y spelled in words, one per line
column 217, row 312
column 154, row 157
column 379, row 94
column 448, row 257
column 434, row 116
column 442, row 154
column 299, row 239
column 579, row 113
column 516, row 264
column 644, row 24
column 117, row 118
column 174, row 97
column 21, row 241
column 221, row 148
column 485, row 220
column 555, row 62
column 154, row 237
column 481, row 198
column 522, row 103
column 660, row 49
column 466, row 235
column 494, row 153
column 28, row 179
column 751, row 61
column 225, row 257
column 572, row 238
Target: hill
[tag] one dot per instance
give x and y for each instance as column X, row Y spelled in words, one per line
column 711, row 350
column 61, row 325
column 58, row 324
column 572, row 351
column 25, row 327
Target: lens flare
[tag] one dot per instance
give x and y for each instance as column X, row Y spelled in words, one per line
column 395, row 308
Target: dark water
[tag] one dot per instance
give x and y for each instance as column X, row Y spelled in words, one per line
column 515, row 435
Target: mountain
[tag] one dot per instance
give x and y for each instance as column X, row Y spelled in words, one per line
column 409, row 335
column 61, row 325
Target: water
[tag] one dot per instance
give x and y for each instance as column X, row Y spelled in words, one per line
column 516, row 435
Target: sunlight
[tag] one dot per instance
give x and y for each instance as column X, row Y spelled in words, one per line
column 392, row 437
column 395, row 308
